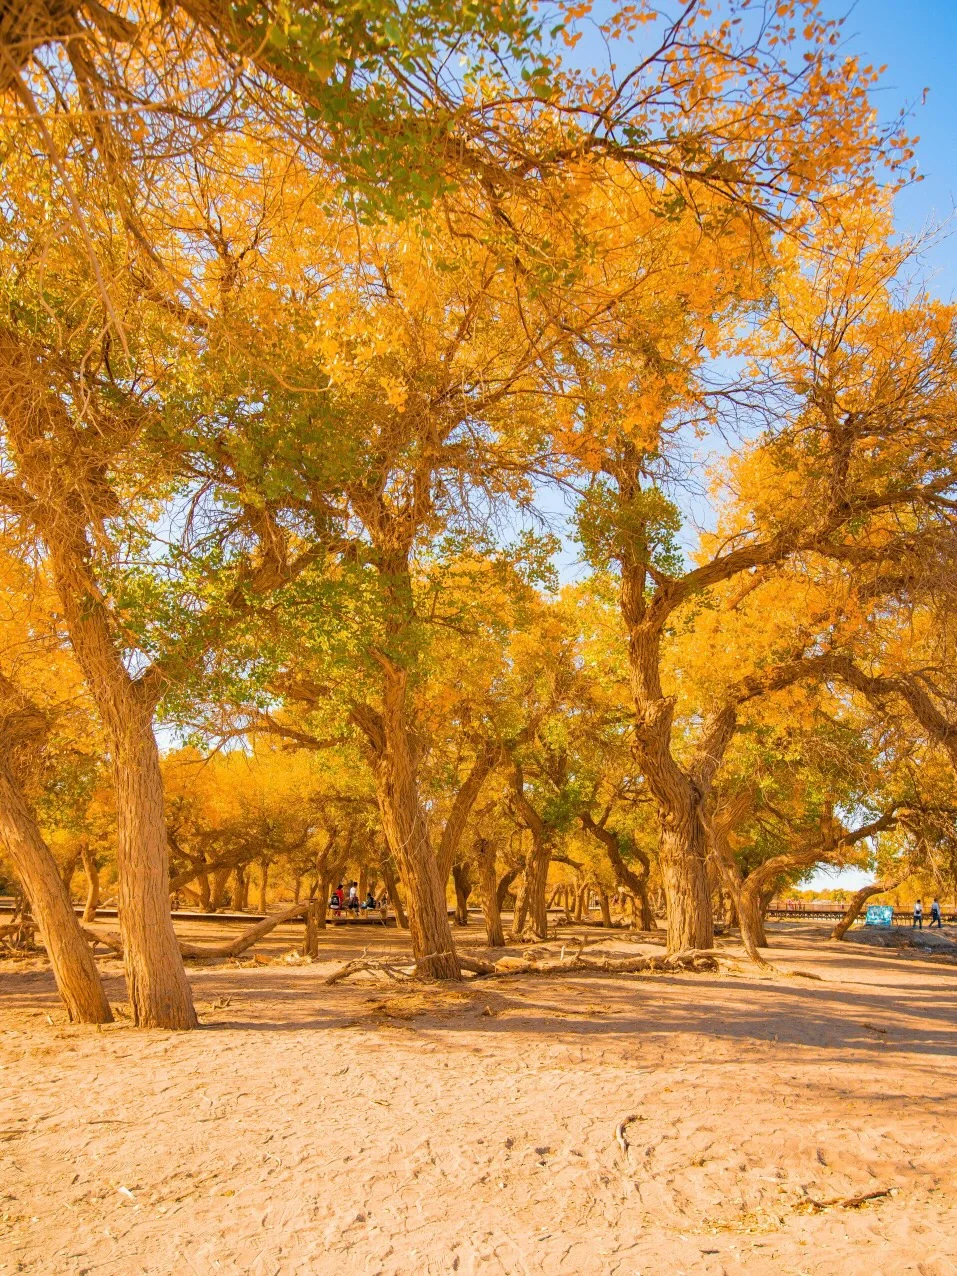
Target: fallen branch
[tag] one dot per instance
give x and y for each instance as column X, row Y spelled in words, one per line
column 244, row 940
column 371, row 965
column 696, row 959
column 846, row 1202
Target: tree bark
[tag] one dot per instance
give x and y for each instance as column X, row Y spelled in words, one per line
column 159, row 992
column 241, row 893
column 92, row 871
column 74, row 969
column 463, row 888
column 505, row 886
column 488, row 892
column 405, row 826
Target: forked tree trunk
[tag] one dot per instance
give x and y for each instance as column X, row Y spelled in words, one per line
column 92, row 871
column 71, row 958
column 504, row 888
column 751, row 920
column 625, row 876
column 531, row 914
column 218, row 892
column 463, row 889
column 488, row 892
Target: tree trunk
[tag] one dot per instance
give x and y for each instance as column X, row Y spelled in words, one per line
column 624, row 876
column 363, row 883
column 463, row 889
column 71, row 958
column 531, row 914
column 488, row 892
column 857, row 903
column 69, row 871
column 581, row 899
column 505, row 886
column 159, row 992
column 91, row 869
column 751, row 921
column 683, row 860
column 310, row 946
column 392, row 890
column 605, row 907
column 218, row 891
column 406, row 831
column 264, row 884
column 241, row 893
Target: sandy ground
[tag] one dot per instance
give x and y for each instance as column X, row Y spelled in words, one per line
column 363, row 1129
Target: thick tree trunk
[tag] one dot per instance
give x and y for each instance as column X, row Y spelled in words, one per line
column 217, row 895
column 504, row 887
column 683, row 860
column 91, row 869
column 488, row 892
column 70, row 956
column 463, row 889
column 159, row 992
column 205, row 896
column 68, row 871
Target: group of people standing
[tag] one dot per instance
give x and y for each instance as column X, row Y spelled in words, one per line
column 935, row 917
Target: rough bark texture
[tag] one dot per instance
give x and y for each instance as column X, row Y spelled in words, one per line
column 72, row 961
column 531, row 913
column 405, row 827
column 484, row 853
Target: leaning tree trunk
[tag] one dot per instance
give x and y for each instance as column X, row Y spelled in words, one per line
column 392, row 890
column 92, row 871
column 74, row 969
column 406, row 831
column 488, row 892
column 158, row 990
column 625, row 876
column 748, row 903
column 857, row 904
column 463, row 889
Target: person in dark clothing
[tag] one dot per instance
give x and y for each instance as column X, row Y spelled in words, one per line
column 935, row 919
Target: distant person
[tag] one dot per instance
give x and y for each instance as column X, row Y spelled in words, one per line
column 918, row 915
column 370, row 900
column 935, row 919
column 354, row 896
column 336, row 901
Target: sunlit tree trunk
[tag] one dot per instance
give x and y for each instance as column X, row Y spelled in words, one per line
column 263, row 884
column 488, row 892
column 406, row 828
column 71, row 958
